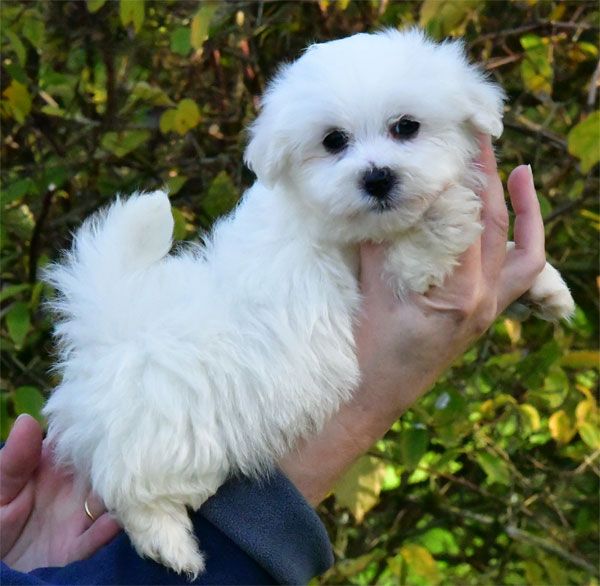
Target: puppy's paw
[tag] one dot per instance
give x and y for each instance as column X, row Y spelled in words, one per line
column 549, row 297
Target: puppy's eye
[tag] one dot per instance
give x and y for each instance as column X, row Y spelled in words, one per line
column 404, row 128
column 336, row 141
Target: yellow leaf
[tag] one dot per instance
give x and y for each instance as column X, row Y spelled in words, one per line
column 358, row 490
column 443, row 17
column 583, row 141
column 95, row 5
column 513, row 329
column 586, row 411
column 421, row 562
column 561, row 428
column 19, row 100
column 132, row 11
column 530, row 416
column 187, row 116
column 201, row 24
column 581, row 359
column 487, row 408
column 166, row 121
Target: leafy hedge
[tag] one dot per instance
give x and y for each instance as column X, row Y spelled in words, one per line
column 492, row 478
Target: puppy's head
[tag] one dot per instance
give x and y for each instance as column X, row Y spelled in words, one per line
column 368, row 130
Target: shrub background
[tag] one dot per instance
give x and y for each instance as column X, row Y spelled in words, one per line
column 492, row 478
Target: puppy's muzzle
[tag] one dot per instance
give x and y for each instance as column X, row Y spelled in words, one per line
column 378, row 182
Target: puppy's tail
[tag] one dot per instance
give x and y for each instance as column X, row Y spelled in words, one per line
column 128, row 236
column 108, row 250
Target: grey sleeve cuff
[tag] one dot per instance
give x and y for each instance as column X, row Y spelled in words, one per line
column 270, row 520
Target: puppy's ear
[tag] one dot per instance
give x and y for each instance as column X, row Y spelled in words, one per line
column 485, row 104
column 265, row 153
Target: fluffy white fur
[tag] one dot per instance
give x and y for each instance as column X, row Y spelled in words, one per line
column 182, row 369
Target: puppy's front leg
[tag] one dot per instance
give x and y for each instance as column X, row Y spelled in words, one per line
column 425, row 255
column 549, row 297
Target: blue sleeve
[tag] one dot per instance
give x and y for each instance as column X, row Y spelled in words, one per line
column 252, row 532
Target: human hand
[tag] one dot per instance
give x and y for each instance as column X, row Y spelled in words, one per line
column 42, row 512
column 404, row 346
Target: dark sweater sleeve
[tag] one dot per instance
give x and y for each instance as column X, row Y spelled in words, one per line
column 252, row 532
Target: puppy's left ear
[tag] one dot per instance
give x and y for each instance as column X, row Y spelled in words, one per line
column 267, row 153
column 486, row 104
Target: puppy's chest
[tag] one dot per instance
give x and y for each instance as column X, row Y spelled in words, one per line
column 425, row 255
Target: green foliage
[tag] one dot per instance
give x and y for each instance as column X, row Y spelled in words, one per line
column 492, row 478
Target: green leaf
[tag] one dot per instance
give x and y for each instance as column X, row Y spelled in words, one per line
column 495, row 468
column 533, row 368
column 174, row 184
column 413, row 445
column 533, row 573
column 536, row 67
column 221, row 196
column 4, row 417
column 180, row 41
column 584, row 141
column 29, row 400
column 19, row 100
column 151, row 94
column 132, row 11
column 590, row 434
column 18, row 322
column 16, row 190
column 181, row 119
column 122, row 143
column 179, row 227
column 359, row 488
column 12, row 290
column 201, row 23
column 449, row 405
column 95, row 5
column 34, row 31
column 352, row 567
column 439, row 541
column 18, row 46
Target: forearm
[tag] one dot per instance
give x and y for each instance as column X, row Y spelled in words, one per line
column 316, row 464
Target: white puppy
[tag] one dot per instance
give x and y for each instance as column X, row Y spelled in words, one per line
column 181, row 370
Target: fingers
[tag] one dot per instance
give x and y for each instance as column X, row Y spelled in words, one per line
column 494, row 215
column 527, row 259
column 19, row 457
column 102, row 530
column 529, row 227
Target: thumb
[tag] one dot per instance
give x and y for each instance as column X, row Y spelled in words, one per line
column 19, row 457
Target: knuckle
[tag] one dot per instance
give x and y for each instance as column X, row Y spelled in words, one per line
column 499, row 221
column 468, row 306
column 485, row 317
column 539, row 263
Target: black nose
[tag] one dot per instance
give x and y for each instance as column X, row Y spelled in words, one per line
column 378, row 181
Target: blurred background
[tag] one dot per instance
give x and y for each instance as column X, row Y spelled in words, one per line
column 492, row 478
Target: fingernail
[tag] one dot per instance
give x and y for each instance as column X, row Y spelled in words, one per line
column 530, row 171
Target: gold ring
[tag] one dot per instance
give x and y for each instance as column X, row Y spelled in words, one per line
column 87, row 510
